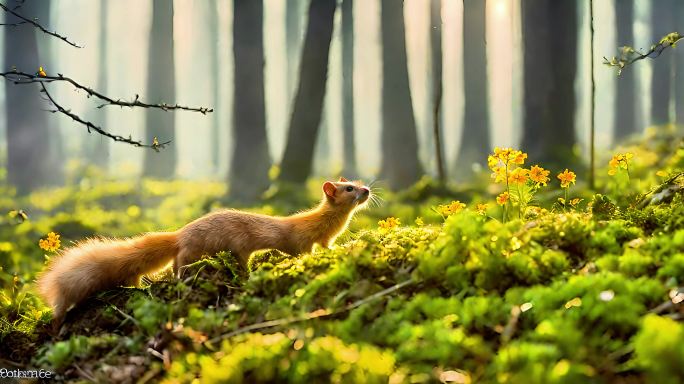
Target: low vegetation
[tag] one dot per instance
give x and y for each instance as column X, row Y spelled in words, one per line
column 511, row 280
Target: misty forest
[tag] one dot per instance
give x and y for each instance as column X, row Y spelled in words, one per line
column 350, row 191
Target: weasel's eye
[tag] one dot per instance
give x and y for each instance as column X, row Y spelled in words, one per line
column 349, row 189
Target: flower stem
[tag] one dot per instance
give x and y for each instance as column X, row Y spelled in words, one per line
column 628, row 176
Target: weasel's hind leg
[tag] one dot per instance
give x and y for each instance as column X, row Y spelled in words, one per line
column 132, row 281
column 183, row 258
column 58, row 314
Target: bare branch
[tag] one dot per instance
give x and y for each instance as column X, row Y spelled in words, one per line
column 27, row 78
column 20, row 3
column 92, row 127
column 13, row 24
column 629, row 55
column 35, row 24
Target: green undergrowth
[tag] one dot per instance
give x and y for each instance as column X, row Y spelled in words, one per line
column 588, row 294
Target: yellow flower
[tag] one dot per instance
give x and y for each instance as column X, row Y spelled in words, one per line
column 519, row 176
column 619, row 161
column 492, row 161
column 506, row 156
column 519, row 157
column 389, row 223
column 451, row 208
column 539, row 175
column 503, row 153
column 575, row 201
column 566, row 177
column 502, row 198
column 419, row 221
column 481, row 209
column 499, row 174
column 51, row 243
column 41, row 72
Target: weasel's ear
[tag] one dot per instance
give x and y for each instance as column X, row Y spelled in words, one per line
column 343, row 180
column 329, row 189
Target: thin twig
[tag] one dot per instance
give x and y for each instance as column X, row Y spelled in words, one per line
column 155, row 353
column 320, row 313
column 20, row 3
column 124, row 314
column 85, row 374
column 511, row 326
column 35, row 24
column 12, row 363
column 13, row 24
column 18, row 77
column 92, row 127
column 629, row 55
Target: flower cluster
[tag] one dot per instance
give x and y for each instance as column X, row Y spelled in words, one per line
column 619, row 161
column 507, row 166
column 450, row 209
column 481, row 209
column 51, row 243
column 389, row 223
column 503, row 160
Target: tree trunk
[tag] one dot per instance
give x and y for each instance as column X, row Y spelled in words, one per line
column 436, row 48
column 97, row 146
column 349, row 169
column 321, row 157
column 292, row 39
column 251, row 160
column 550, row 56
column 475, row 135
column 57, row 152
column 400, row 164
column 214, row 60
column 679, row 69
column 626, row 111
column 308, row 107
column 161, row 89
column 30, row 160
column 662, row 23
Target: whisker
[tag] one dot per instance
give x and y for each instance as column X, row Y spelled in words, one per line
column 376, row 200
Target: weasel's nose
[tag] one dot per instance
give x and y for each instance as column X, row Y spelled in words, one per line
column 365, row 190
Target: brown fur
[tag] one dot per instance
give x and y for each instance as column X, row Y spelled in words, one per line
column 99, row 264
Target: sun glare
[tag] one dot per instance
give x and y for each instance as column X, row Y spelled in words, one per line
column 500, row 8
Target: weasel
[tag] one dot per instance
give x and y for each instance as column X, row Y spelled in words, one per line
column 100, row 264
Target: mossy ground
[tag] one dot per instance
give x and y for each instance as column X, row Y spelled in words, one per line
column 584, row 294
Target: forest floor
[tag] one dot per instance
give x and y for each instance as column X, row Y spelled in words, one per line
column 581, row 287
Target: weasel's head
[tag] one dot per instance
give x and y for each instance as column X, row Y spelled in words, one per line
column 345, row 193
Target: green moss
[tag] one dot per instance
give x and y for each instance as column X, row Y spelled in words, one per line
column 563, row 296
column 659, row 349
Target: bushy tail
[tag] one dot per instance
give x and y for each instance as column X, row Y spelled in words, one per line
column 99, row 264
